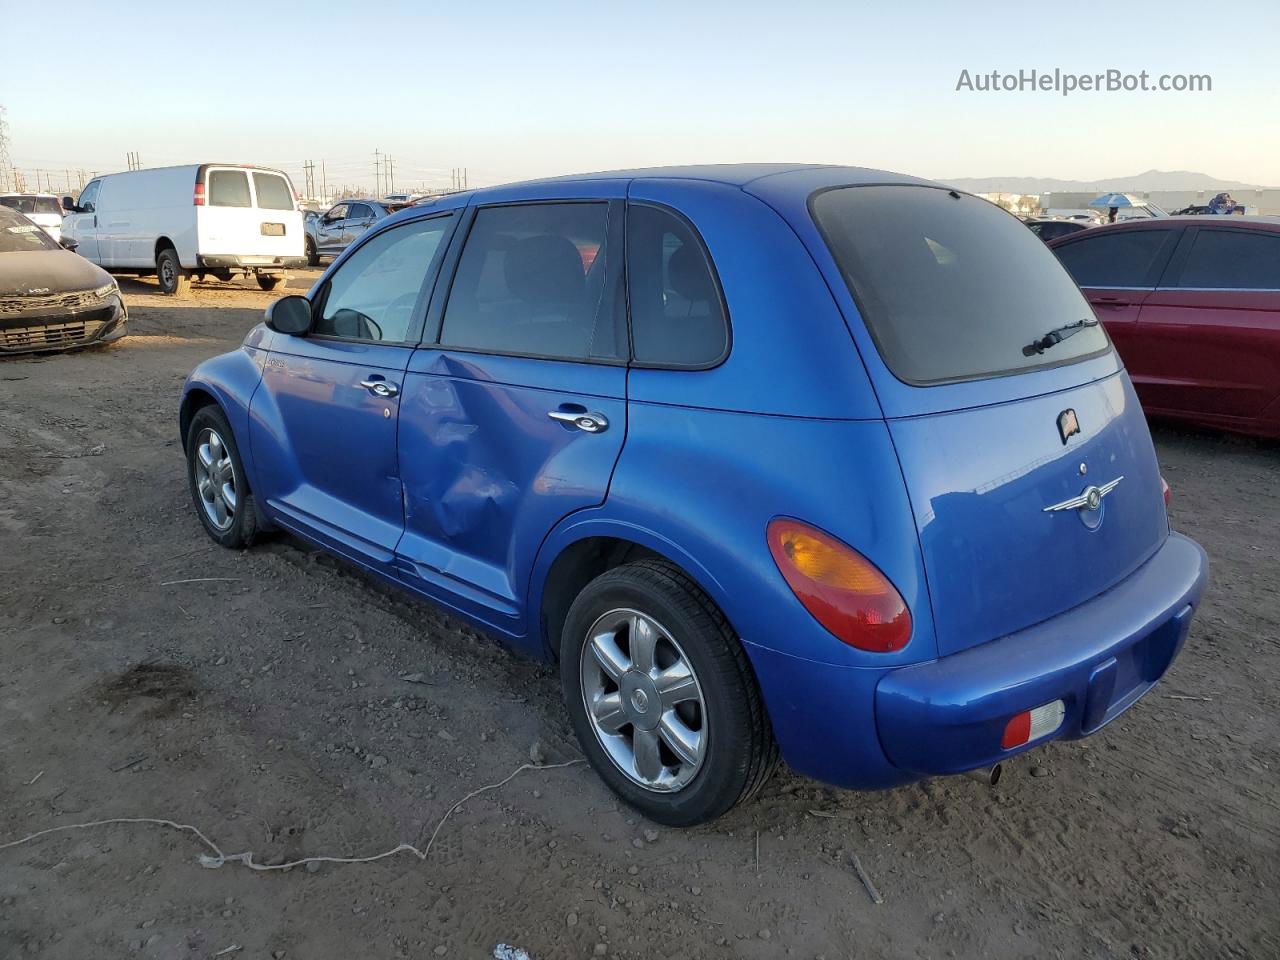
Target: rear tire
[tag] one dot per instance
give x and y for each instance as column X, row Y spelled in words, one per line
column 215, row 476
column 270, row 283
column 174, row 281
column 681, row 752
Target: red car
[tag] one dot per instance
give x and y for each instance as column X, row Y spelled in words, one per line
column 1193, row 306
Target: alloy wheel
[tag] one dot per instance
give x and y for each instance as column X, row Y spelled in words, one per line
column 215, row 478
column 643, row 700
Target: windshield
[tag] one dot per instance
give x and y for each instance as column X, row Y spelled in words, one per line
column 951, row 287
column 18, row 235
column 33, row 204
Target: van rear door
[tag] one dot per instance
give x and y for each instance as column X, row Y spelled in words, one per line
column 247, row 213
column 1005, row 402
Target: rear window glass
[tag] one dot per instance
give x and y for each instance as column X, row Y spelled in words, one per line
column 32, row 204
column 1123, row 258
column 273, row 192
column 951, row 287
column 229, row 188
column 677, row 318
column 1233, row 259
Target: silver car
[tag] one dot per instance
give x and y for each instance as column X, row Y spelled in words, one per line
column 329, row 233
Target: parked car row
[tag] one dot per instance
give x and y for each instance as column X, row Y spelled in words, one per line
column 1193, row 306
column 581, row 414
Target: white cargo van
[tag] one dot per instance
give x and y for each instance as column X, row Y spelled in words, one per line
column 216, row 219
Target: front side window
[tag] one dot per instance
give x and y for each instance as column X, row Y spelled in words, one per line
column 677, row 316
column 89, row 196
column 531, row 281
column 273, row 191
column 950, row 286
column 1233, row 259
column 336, row 213
column 374, row 294
column 229, row 188
column 1121, row 259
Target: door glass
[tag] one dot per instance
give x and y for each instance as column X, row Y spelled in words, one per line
column 1233, row 259
column 273, row 192
column 89, row 196
column 1120, row 259
column 360, row 211
column 337, row 213
column 531, row 281
column 229, row 188
column 373, row 294
column 677, row 317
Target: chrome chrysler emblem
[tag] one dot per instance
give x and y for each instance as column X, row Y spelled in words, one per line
column 1089, row 499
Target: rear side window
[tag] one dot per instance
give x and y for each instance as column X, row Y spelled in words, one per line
column 273, row 192
column 677, row 315
column 1124, row 258
column 951, row 287
column 1233, row 259
column 229, row 188
column 531, row 281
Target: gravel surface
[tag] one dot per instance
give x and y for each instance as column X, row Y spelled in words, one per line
column 290, row 706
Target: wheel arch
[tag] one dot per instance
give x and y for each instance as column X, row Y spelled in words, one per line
column 196, row 398
column 164, row 243
column 581, row 549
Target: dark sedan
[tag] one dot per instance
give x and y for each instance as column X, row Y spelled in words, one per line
column 50, row 298
column 1193, row 306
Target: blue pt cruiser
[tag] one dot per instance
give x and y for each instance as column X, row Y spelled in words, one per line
column 815, row 462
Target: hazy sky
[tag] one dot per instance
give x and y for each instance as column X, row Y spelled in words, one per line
column 513, row 90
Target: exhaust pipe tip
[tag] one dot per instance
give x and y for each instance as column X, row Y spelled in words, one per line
column 988, row 775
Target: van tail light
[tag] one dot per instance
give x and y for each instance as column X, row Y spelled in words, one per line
column 1164, row 485
column 843, row 590
column 198, row 198
column 1033, row 724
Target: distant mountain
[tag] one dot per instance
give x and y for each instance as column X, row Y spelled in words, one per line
column 1148, row 182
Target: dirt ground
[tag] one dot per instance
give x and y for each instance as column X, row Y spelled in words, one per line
column 269, row 707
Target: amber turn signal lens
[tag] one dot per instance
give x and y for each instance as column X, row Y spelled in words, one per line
column 843, row 590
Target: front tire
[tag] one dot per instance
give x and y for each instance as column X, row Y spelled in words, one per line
column 269, row 283
column 661, row 695
column 174, row 281
column 215, row 475
column 313, row 258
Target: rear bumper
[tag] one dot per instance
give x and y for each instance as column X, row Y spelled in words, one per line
column 1099, row 659
column 871, row 728
column 252, row 263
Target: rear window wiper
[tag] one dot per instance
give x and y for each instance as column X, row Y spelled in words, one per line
column 1057, row 335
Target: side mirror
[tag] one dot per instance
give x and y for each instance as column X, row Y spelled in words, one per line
column 291, row 315
column 68, row 205
column 69, row 244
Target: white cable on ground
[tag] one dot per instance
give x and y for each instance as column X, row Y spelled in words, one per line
column 220, row 858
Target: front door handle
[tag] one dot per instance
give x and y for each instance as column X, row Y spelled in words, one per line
column 587, row 422
column 380, row 387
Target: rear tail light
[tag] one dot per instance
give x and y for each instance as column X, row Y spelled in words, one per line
column 1033, row 724
column 1164, row 485
column 842, row 589
column 198, row 198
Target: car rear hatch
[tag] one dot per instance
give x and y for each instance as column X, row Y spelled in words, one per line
column 1005, row 402
column 247, row 213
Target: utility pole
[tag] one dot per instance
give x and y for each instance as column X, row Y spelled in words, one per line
column 309, row 175
column 6, row 168
column 324, row 183
column 391, row 175
column 377, row 172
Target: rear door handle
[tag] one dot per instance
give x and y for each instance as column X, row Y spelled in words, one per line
column 380, row 387
column 587, row 422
